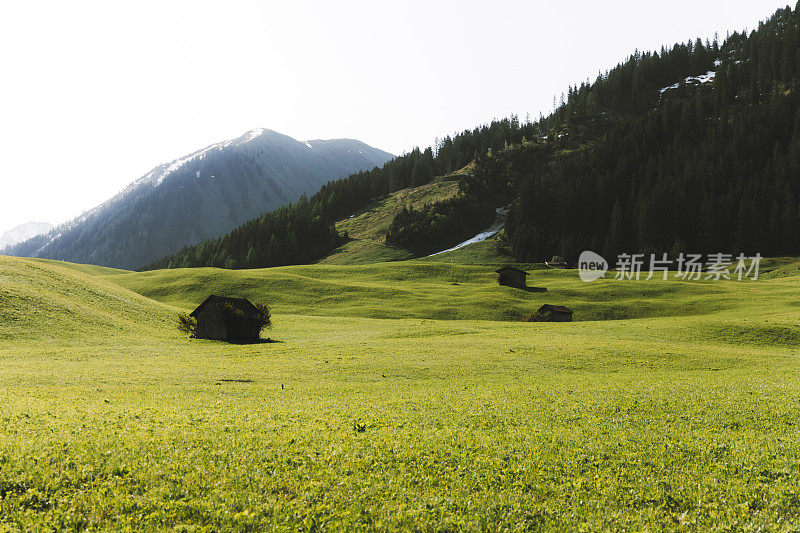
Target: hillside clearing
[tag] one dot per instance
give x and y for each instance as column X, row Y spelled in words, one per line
column 367, row 228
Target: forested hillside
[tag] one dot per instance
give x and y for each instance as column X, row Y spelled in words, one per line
column 694, row 148
column 636, row 162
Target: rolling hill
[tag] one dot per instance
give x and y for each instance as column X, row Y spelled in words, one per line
column 41, row 300
column 425, row 290
column 202, row 195
column 680, row 411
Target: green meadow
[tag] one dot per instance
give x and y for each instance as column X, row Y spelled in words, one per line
column 404, row 395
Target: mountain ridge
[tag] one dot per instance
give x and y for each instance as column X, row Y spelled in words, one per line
column 201, row 195
column 23, row 232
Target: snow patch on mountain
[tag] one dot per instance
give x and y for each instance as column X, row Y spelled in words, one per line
column 48, row 243
column 485, row 234
column 693, row 80
column 23, row 232
column 157, row 175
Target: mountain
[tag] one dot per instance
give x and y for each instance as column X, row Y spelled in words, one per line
column 200, row 196
column 23, row 232
column 692, row 149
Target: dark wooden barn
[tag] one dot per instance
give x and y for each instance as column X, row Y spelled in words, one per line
column 512, row 277
column 552, row 313
column 227, row 319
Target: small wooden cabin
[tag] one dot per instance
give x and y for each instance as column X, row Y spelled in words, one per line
column 512, row 277
column 552, row 313
column 227, row 319
column 556, row 262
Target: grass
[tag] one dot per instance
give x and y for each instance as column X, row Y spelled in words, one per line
column 54, row 301
column 479, row 253
column 367, row 229
column 431, row 290
column 398, row 400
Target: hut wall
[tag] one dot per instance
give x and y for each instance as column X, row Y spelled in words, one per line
column 551, row 316
column 512, row 278
column 211, row 326
column 244, row 330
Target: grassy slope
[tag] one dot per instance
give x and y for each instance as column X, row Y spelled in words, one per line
column 479, row 253
column 649, row 423
column 368, row 228
column 94, row 270
column 62, row 301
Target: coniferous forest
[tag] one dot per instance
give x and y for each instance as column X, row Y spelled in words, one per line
column 695, row 148
column 709, row 167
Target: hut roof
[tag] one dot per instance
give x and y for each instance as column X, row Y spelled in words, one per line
column 555, row 309
column 238, row 306
column 510, row 268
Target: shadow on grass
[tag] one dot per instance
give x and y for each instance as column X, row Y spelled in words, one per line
column 534, row 289
column 258, row 341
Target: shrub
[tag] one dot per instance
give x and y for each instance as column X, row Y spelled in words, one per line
column 187, row 324
column 266, row 317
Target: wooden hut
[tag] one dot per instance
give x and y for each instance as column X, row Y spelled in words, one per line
column 228, row 319
column 552, row 313
column 556, row 262
column 512, row 277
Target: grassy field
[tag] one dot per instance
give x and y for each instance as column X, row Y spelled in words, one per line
column 429, row 290
column 403, row 395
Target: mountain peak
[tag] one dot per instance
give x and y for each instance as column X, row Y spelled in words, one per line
column 23, row 232
column 201, row 195
column 250, row 135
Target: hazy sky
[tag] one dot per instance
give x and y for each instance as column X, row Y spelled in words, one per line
column 94, row 94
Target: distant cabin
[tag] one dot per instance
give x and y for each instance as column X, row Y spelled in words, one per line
column 227, row 319
column 512, row 277
column 552, row 313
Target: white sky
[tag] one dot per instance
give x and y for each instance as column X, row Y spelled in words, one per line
column 94, row 94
